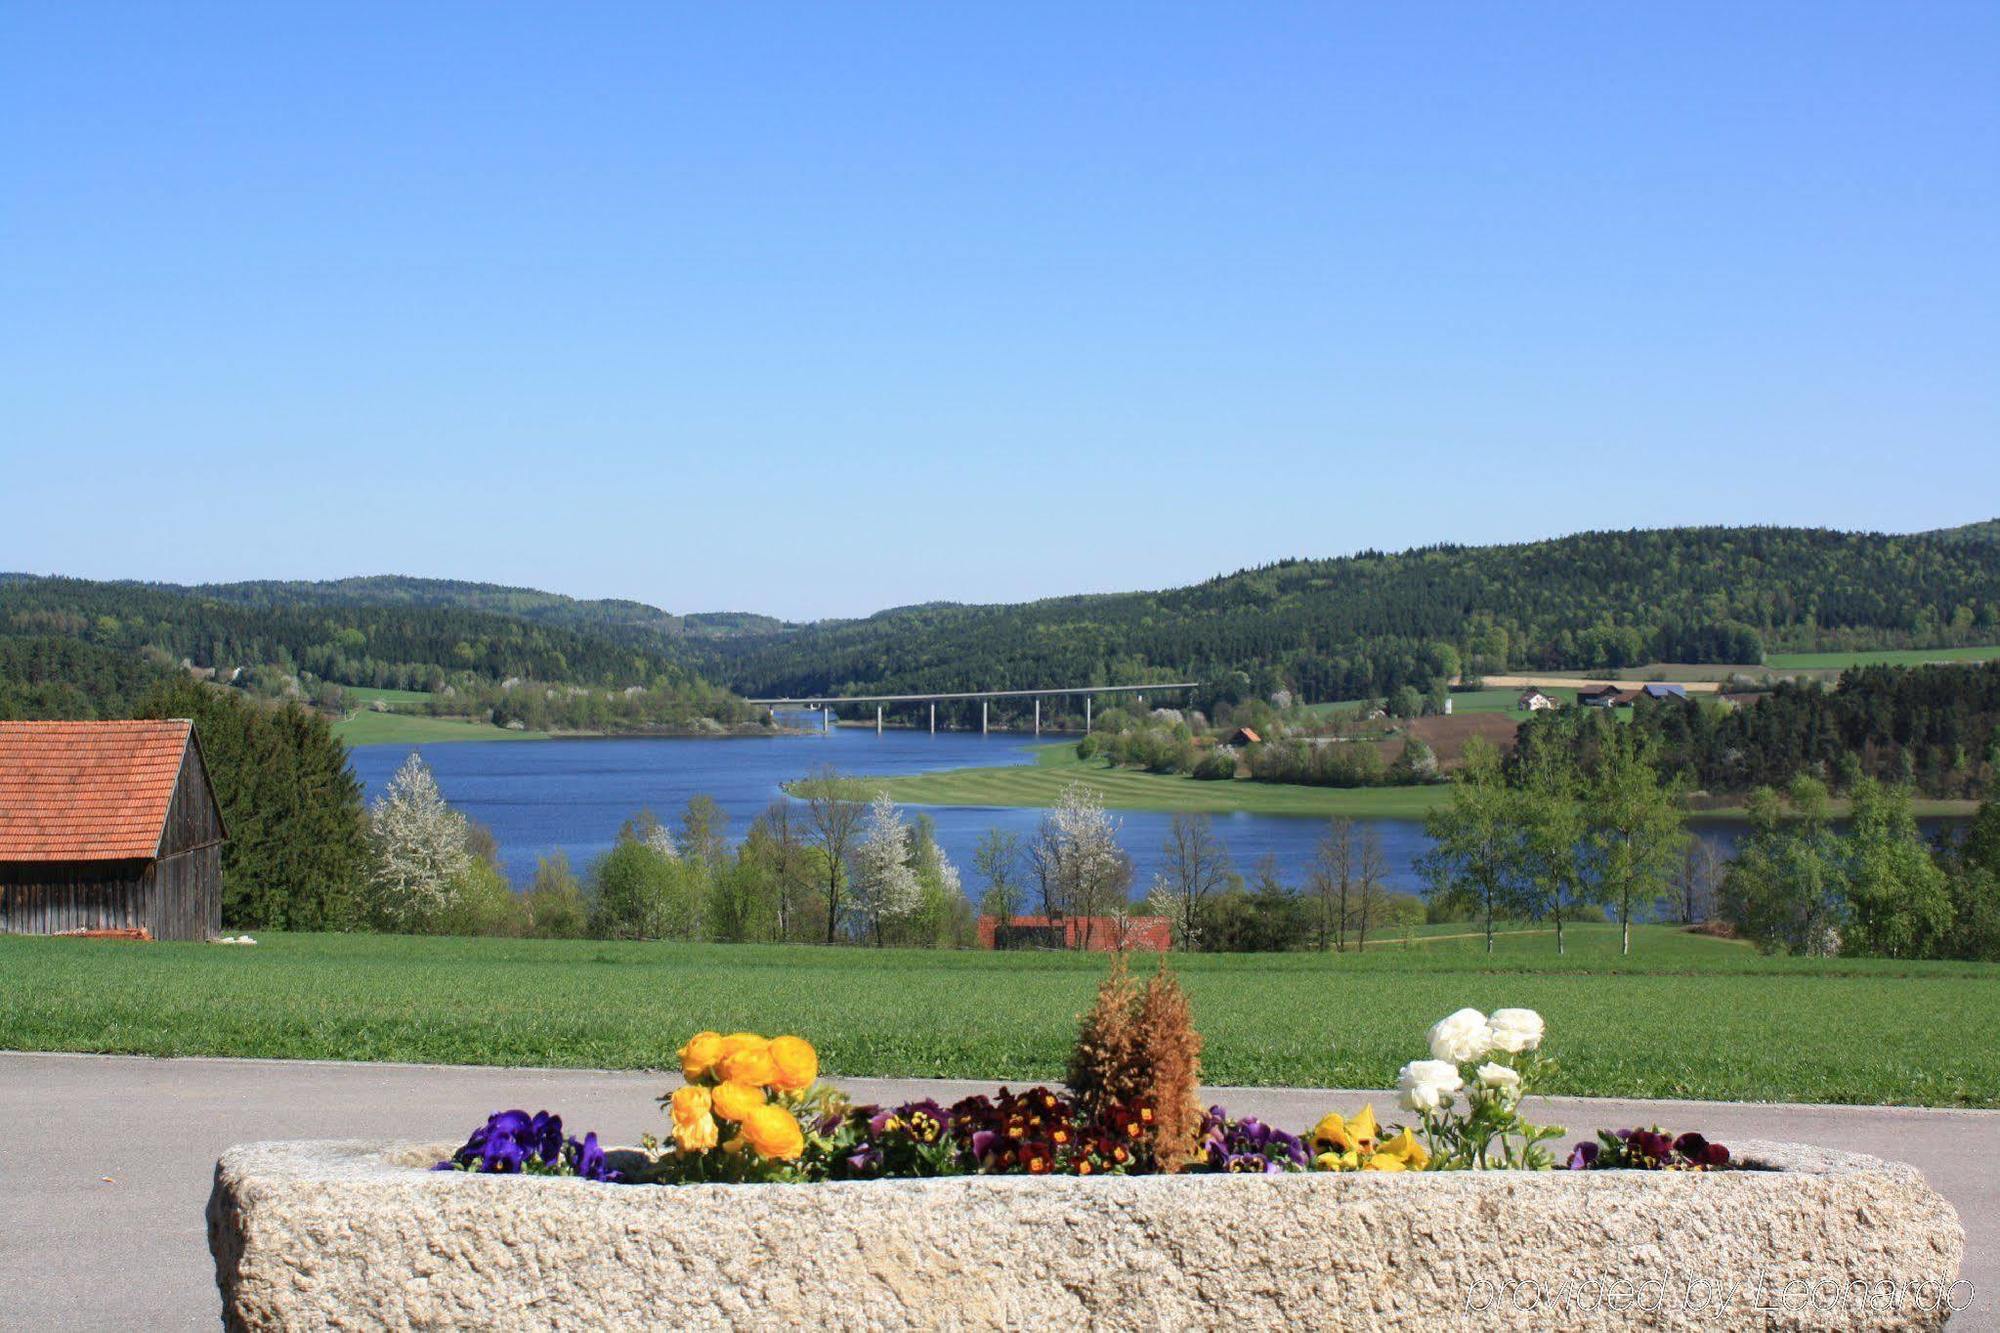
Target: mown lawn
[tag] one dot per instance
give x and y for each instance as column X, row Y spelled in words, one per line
column 371, row 728
column 1884, row 657
column 1056, row 766
column 1686, row 1016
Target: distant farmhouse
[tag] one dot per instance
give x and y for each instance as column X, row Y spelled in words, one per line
column 1244, row 736
column 108, row 827
column 1534, row 701
column 1610, row 696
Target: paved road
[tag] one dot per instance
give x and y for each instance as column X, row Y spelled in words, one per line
column 106, row 1161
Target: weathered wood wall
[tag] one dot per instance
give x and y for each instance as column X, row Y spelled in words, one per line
column 178, row 897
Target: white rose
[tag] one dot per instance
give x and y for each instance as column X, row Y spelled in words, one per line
column 1516, row 1030
column 1499, row 1076
column 1427, row 1085
column 1461, row 1036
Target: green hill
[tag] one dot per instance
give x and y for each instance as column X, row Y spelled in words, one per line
column 1362, row 625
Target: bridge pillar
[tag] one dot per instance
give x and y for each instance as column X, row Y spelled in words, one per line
column 933, row 719
column 1086, row 715
column 878, row 719
column 1038, row 717
column 982, row 715
column 826, row 719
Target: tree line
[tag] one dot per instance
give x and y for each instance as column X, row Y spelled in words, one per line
column 1366, row 625
column 1936, row 728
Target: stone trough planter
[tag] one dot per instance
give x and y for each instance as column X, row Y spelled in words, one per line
column 354, row 1234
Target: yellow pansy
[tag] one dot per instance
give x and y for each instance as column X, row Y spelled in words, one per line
column 735, row 1101
column 1404, row 1151
column 795, row 1064
column 1341, row 1136
column 700, row 1054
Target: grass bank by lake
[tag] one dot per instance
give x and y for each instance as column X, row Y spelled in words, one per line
column 1056, row 766
column 371, row 728
column 1686, row 1016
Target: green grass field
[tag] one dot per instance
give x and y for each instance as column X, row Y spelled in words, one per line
column 1056, row 766
column 1886, row 657
column 1686, row 1016
column 371, row 728
column 1502, row 701
column 368, row 694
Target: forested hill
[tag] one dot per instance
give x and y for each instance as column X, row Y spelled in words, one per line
column 76, row 648
column 1362, row 625
column 627, row 621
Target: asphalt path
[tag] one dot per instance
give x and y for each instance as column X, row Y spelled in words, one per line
column 106, row 1161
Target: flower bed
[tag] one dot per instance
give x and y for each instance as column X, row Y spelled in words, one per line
column 1116, row 1200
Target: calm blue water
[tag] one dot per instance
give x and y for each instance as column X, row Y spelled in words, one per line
column 538, row 796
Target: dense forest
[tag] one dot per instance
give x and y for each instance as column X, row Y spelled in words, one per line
column 75, row 648
column 1363, row 625
column 1936, row 728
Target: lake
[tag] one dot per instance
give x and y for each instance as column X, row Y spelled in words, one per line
column 540, row 796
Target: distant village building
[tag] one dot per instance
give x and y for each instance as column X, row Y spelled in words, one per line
column 108, row 826
column 1534, row 701
column 1602, row 696
column 1104, row 934
column 1662, row 691
column 1244, row 736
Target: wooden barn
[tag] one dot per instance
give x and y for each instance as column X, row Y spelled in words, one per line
column 108, row 826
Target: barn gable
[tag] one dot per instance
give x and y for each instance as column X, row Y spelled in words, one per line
column 108, row 826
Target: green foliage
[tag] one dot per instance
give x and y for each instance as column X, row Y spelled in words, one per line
column 1215, row 766
column 1936, row 726
column 554, row 905
column 638, row 892
column 1362, row 626
column 1800, row 885
column 75, row 648
column 46, row 676
column 297, row 850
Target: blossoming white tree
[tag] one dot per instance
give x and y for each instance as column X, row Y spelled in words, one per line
column 885, row 886
column 421, row 858
column 1082, row 870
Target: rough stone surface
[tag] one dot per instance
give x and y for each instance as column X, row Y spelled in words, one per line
column 354, row 1234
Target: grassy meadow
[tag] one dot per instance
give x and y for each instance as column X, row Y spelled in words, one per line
column 1685, row 1016
column 1885, row 657
column 1056, row 766
column 371, row 728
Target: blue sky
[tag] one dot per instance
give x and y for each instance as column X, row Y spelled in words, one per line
column 819, row 309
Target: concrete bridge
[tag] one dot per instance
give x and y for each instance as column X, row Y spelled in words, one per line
column 826, row 702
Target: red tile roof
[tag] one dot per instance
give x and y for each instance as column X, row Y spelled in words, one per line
column 87, row 791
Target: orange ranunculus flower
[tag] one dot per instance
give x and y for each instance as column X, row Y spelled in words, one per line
column 694, row 1127
column 735, row 1101
column 750, row 1065
column 741, row 1041
column 700, row 1054
column 774, row 1132
column 795, row 1062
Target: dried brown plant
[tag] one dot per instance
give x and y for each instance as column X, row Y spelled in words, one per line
column 1170, row 1055
column 1104, row 1065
